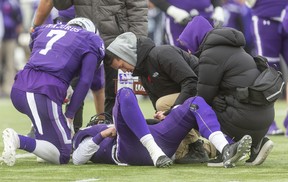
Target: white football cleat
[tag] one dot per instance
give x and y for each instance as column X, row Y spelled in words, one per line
column 11, row 143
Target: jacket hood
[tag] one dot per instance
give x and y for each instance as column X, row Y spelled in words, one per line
column 199, row 39
column 194, row 33
column 144, row 46
column 223, row 36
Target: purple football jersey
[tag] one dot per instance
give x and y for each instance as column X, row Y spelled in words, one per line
column 204, row 7
column 269, row 8
column 59, row 53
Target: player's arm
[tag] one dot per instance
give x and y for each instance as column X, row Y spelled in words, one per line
column 88, row 68
column 90, row 145
column 62, row 4
column 179, row 15
column 41, row 14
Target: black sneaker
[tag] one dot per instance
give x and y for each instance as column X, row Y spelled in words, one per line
column 237, row 151
column 260, row 153
column 163, row 161
column 196, row 154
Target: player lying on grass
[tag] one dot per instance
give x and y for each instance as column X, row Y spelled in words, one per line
column 131, row 141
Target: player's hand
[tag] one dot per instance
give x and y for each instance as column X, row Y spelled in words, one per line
column 109, row 132
column 70, row 126
column 159, row 115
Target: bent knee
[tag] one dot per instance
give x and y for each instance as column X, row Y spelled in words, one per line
column 64, row 158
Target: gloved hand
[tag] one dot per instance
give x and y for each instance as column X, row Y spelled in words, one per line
column 250, row 3
column 219, row 104
column 218, row 17
column 179, row 15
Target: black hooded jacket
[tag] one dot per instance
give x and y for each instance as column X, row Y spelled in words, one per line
column 223, row 66
column 166, row 69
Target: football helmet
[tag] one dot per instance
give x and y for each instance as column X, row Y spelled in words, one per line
column 97, row 120
column 85, row 23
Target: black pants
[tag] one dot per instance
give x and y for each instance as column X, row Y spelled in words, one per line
column 110, row 78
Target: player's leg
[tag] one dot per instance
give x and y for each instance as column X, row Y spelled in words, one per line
column 131, row 128
column 284, row 56
column 268, row 44
column 196, row 113
column 192, row 149
column 53, row 137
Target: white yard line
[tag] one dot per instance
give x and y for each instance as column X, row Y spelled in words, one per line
column 19, row 156
column 88, row 180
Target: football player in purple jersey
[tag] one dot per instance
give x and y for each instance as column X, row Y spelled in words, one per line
column 97, row 86
column 180, row 12
column 132, row 142
column 59, row 53
column 270, row 39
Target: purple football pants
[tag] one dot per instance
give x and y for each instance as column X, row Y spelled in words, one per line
column 131, row 127
column 270, row 40
column 47, row 118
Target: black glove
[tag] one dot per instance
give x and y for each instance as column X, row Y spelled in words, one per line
column 219, row 104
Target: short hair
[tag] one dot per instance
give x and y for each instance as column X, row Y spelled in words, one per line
column 109, row 56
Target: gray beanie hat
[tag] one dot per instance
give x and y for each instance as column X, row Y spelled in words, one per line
column 125, row 47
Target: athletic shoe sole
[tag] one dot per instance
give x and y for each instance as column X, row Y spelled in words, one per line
column 9, row 152
column 163, row 162
column 215, row 164
column 263, row 154
column 276, row 132
column 243, row 150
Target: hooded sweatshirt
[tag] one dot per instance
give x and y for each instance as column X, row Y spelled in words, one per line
column 194, row 33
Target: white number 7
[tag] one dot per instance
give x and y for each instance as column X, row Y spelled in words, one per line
column 58, row 34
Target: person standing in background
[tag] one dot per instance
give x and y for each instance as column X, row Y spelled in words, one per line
column 238, row 16
column 112, row 19
column 1, row 39
column 179, row 13
column 271, row 41
column 155, row 24
column 12, row 17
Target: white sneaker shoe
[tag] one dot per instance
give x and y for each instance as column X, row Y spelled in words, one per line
column 11, row 143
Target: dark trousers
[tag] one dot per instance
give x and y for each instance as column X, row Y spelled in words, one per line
column 110, row 77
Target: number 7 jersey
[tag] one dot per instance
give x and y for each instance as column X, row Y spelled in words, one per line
column 56, row 47
column 59, row 53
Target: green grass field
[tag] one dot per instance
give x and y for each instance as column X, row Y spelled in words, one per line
column 27, row 169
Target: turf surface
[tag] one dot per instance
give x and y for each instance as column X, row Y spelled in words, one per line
column 275, row 168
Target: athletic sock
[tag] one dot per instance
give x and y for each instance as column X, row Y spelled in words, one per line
column 154, row 150
column 218, row 140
